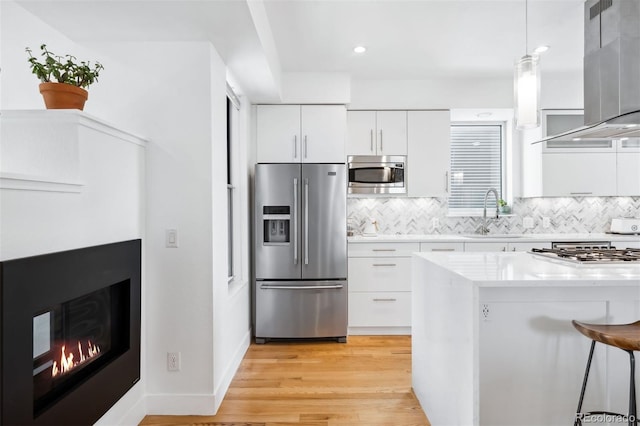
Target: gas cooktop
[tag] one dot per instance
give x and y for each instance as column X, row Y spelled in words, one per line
column 598, row 256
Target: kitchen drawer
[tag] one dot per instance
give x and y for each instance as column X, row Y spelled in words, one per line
column 380, row 309
column 379, row 274
column 383, row 249
column 441, row 246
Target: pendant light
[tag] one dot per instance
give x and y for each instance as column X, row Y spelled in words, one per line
column 527, row 85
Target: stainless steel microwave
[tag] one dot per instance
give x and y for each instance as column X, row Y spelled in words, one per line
column 383, row 174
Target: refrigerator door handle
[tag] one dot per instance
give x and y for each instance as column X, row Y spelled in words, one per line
column 295, row 221
column 299, row 287
column 306, row 221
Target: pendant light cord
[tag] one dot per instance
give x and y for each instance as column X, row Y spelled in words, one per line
column 526, row 27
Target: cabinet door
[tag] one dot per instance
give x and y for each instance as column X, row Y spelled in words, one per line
column 361, row 138
column 579, row 174
column 428, row 154
column 528, row 246
column 278, row 134
column 392, row 132
column 485, row 246
column 628, row 173
column 385, row 309
column 441, row 247
column 323, row 133
column 379, row 274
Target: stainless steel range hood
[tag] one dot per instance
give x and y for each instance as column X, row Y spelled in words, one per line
column 611, row 72
column 624, row 126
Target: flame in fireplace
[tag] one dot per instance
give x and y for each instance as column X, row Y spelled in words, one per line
column 69, row 361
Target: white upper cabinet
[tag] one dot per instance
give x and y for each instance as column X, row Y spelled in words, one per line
column 628, row 167
column 579, row 174
column 574, row 168
column 278, row 134
column 361, row 136
column 392, row 132
column 323, row 133
column 301, row 133
column 429, row 134
column 377, row 132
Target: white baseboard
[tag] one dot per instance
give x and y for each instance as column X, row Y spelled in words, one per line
column 181, row 404
column 381, row 331
column 231, row 369
column 198, row 404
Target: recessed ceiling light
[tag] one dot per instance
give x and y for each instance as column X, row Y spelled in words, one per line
column 577, row 139
column 359, row 49
column 541, row 49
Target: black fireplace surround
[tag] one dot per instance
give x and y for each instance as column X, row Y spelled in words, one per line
column 69, row 334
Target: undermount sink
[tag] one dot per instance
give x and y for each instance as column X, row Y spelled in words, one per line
column 493, row 236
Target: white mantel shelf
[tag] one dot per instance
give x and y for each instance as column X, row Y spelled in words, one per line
column 492, row 337
column 40, row 149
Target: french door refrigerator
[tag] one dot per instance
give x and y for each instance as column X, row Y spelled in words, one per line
column 300, row 251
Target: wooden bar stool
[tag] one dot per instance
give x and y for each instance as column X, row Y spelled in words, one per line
column 623, row 336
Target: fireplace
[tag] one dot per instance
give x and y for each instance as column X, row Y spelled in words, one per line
column 70, row 334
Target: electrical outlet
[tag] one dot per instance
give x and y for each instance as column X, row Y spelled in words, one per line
column 435, row 223
column 527, row 222
column 171, row 238
column 173, row 361
column 546, row 222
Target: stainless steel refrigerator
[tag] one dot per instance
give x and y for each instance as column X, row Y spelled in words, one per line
column 300, row 251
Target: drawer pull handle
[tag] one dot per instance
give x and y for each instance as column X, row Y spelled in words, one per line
column 384, row 249
column 581, row 193
column 384, row 300
column 443, row 249
column 384, row 264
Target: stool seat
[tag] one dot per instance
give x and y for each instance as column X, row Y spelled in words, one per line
column 623, row 336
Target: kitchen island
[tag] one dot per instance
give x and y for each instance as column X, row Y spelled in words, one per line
column 493, row 344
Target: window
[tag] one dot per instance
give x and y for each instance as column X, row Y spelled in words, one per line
column 230, row 190
column 477, row 158
column 237, row 203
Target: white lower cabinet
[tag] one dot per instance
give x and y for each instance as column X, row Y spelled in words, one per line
column 380, row 287
column 380, row 309
column 502, row 246
column 442, row 247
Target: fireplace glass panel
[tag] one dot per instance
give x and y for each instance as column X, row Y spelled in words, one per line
column 74, row 339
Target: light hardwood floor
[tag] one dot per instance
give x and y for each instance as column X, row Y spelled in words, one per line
column 366, row 381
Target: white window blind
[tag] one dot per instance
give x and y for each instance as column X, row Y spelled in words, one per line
column 476, row 164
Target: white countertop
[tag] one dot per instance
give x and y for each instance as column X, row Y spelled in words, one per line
column 513, row 269
column 468, row 238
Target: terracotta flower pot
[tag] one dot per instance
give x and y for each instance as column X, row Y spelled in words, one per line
column 63, row 96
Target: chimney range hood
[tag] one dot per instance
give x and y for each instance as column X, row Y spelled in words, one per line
column 611, row 72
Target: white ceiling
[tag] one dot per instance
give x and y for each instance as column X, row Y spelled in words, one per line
column 406, row 39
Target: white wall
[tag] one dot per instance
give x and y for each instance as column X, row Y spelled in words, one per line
column 559, row 91
column 174, row 95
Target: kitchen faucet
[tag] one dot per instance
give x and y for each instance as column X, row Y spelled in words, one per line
column 483, row 229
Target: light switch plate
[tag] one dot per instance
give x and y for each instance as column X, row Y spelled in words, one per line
column 171, row 238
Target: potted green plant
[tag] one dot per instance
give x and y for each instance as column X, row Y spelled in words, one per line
column 63, row 78
column 503, row 207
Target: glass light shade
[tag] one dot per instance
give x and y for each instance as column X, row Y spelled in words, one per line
column 527, row 92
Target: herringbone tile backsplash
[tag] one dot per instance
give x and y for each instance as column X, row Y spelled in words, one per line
column 399, row 215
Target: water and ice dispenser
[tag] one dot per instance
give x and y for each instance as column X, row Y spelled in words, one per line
column 276, row 224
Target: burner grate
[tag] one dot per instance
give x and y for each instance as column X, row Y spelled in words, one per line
column 592, row 255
